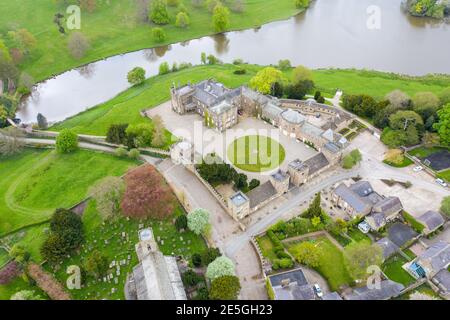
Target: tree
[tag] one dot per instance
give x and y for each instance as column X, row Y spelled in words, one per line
column 25, row 295
column 158, row 34
column 42, row 122
column 220, row 267
column 78, row 45
column 117, row 134
column 430, row 139
column 139, row 135
column 254, row 184
column 134, row 154
column 197, row 260
column 11, row 141
column 443, row 125
column 398, row 99
column 425, row 104
column 221, row 18
column 66, row 141
column 300, row 4
column 23, row 40
column 97, row 264
column 240, row 181
column 284, row 65
column 225, row 288
column 19, row 253
column 181, row 222
column 159, row 132
column 182, row 20
column 394, row 138
column 445, row 206
column 265, row 78
column 108, row 193
column 203, row 58
column 394, row 156
column 307, row 253
column 299, row 90
column 301, row 73
column 209, row 255
column 277, row 89
column 164, row 68
column 198, row 221
column 136, row 76
column 147, row 195
column 348, row 162
column 401, row 120
column 315, row 208
column 359, row 256
column 3, row 115
column 9, row 272
column 190, row 278
column 158, row 12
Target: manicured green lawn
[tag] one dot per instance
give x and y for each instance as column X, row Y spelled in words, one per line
column 119, row 248
column 267, row 247
column 358, row 236
column 256, row 153
column 113, row 29
column 332, row 265
column 423, row 152
column 125, row 107
column 394, row 271
column 35, row 183
column 444, row 175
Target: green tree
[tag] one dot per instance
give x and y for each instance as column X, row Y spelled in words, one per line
column 23, row 40
column 265, row 78
column 198, row 221
column 164, row 68
column 300, row 4
column 3, row 115
column 158, row 12
column 284, row 65
column 359, row 256
column 425, row 104
column 181, row 222
column 348, row 162
column 301, row 73
column 401, row 120
column 299, row 89
column 117, row 134
column 221, row 18
column 97, row 264
column 315, row 208
column 66, row 141
column 139, row 135
column 356, row 155
column 203, row 58
column 182, row 20
column 209, row 255
column 136, row 76
column 225, row 288
column 220, row 267
column 158, row 34
column 445, row 206
column 443, row 125
column 307, row 253
column 159, row 132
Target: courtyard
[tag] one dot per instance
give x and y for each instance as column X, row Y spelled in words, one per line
column 191, row 127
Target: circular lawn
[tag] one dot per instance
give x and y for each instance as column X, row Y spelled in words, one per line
column 256, row 153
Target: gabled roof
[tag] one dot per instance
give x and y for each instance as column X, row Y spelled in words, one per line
column 352, row 198
column 442, row 278
column 388, row 289
column 316, row 163
column 389, row 205
column 362, row 188
column 292, row 116
column 400, row 234
column 431, row 219
column 389, row 248
column 438, row 254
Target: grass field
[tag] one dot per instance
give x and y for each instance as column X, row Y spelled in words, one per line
column 256, row 153
column 394, row 271
column 423, row 152
column 332, row 265
column 35, row 183
column 3, row 257
column 113, row 29
column 125, row 107
column 267, row 247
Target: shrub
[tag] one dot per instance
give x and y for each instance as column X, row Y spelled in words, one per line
column 220, row 267
column 117, row 134
column 221, row 17
column 136, row 76
column 9, row 272
column 134, row 154
column 182, row 20
column 139, row 135
column 181, row 222
column 66, row 141
column 158, row 12
column 164, row 68
column 147, row 194
column 254, row 184
column 158, row 34
column 97, row 264
column 209, row 255
column 240, row 71
column 121, row 152
column 202, row 294
column 225, row 288
column 197, row 259
column 190, row 278
column 198, row 221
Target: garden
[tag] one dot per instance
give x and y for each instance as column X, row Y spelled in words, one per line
column 392, row 268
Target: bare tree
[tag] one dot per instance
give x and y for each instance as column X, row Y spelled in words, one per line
column 78, row 45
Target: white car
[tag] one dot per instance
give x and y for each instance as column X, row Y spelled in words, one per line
column 318, row 291
column 441, row 182
column 418, row 169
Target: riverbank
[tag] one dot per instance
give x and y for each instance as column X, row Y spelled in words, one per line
column 126, row 107
column 112, row 29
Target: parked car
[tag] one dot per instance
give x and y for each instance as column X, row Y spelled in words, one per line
column 418, row 169
column 441, row 182
column 318, row 291
column 364, row 227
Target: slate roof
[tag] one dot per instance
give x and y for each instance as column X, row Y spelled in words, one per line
column 297, row 289
column 389, row 205
column 362, row 188
column 431, row 219
column 292, row 116
column 261, row 194
column 389, row 248
column 280, row 176
column 271, row 111
column 400, row 234
column 331, row 296
column 316, row 163
column 388, row 289
column 353, row 199
column 438, row 254
column 442, row 278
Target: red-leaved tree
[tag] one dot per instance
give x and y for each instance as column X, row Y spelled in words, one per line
column 147, row 195
column 9, row 272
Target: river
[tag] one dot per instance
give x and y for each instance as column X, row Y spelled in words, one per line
column 332, row 33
